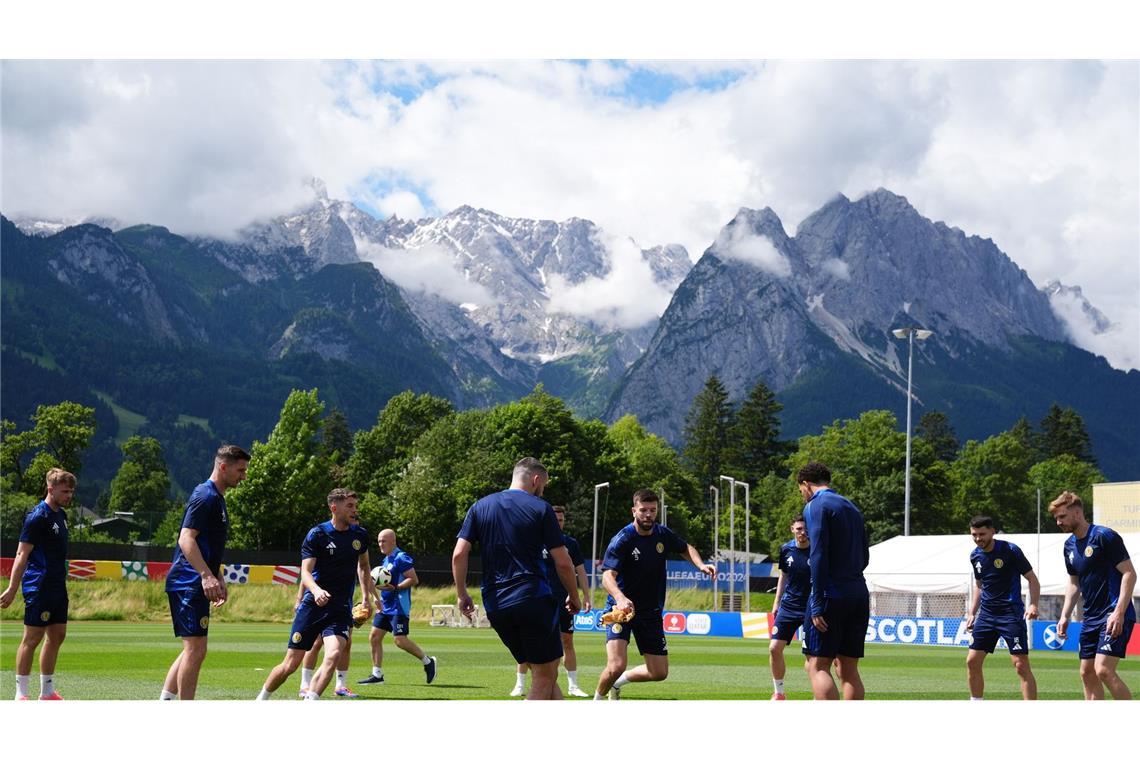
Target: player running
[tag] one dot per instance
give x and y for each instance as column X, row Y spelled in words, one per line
column 791, row 600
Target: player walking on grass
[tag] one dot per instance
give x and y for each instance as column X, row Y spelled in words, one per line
column 565, row 619
column 1101, row 570
column 512, row 528
column 835, row 624
column 195, row 580
column 633, row 572
column 40, row 571
column 394, row 613
column 997, row 608
column 790, row 604
column 334, row 555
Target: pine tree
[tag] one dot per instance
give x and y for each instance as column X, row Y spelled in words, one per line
column 706, row 431
column 755, row 445
column 1063, row 431
column 936, row 429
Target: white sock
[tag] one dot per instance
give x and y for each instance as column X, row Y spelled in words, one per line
column 264, row 695
column 342, row 679
column 47, row 685
column 977, row 699
column 22, row 686
column 312, row 695
column 378, row 672
column 306, row 678
column 622, row 680
column 572, row 678
column 598, row 696
column 520, row 679
column 778, row 683
column 167, row 696
column 426, row 660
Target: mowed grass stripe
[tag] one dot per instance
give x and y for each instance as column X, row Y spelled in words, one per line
column 117, row 660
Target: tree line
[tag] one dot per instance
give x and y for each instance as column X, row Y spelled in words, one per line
column 423, row 463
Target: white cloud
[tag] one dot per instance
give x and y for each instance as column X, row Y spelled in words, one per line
column 626, row 297
column 1113, row 343
column 1042, row 157
column 738, row 242
column 429, row 269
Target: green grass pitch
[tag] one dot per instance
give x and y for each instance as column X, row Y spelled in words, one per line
column 120, row 660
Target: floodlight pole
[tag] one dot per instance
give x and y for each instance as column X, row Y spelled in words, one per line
column 716, row 535
column 909, row 333
column 594, row 555
column 731, row 536
column 664, row 520
column 747, row 547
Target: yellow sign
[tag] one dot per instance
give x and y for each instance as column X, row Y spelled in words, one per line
column 1117, row 506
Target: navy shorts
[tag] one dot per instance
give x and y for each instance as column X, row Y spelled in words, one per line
column 786, row 626
column 647, row 628
column 1094, row 641
column 312, row 621
column 44, row 608
column 396, row 624
column 529, row 630
column 565, row 619
column 846, row 628
column 190, row 611
column 987, row 630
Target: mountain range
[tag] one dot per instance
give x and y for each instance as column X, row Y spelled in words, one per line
column 205, row 333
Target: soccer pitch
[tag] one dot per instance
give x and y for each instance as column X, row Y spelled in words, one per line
column 118, row 660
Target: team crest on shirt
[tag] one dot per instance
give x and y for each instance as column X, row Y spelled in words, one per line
column 775, row 629
column 205, row 621
column 616, row 628
column 999, row 564
column 660, row 548
column 297, row 637
column 1088, row 551
column 45, row 616
column 356, row 544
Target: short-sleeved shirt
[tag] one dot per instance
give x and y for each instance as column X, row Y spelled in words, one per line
column 1093, row 559
column 46, row 530
column 797, row 586
column 512, row 528
column 552, row 578
column 205, row 513
column 999, row 572
column 640, row 564
column 337, row 553
column 397, row 602
column 839, row 550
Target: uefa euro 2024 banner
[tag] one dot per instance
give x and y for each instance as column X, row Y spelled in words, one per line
column 682, row 574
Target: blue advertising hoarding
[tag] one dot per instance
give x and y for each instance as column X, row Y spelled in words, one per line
column 677, row 623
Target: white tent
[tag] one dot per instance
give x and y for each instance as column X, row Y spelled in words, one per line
column 941, row 564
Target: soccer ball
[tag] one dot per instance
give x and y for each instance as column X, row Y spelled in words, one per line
column 381, row 575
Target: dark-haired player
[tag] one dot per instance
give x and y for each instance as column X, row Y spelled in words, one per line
column 997, row 608
column 633, row 572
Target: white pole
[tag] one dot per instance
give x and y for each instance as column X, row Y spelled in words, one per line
column 731, row 537
column 747, row 549
column 716, row 535
column 906, row 494
column 664, row 519
column 594, row 554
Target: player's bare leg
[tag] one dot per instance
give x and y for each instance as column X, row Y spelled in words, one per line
column 822, row 684
column 409, row 646
column 281, row 672
column 376, row 642
column 975, row 660
column 192, row 657
column 617, row 652
column 324, row 674
column 26, row 652
column 778, row 666
column 1025, row 673
column 847, row 668
column 1094, row 689
column 655, row 668
column 170, row 685
column 544, row 681
column 1105, row 669
column 570, row 662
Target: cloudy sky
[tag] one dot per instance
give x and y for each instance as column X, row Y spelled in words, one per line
column 1042, row 157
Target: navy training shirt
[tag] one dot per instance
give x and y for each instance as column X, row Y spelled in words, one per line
column 793, row 563
column 640, row 564
column 338, row 557
column 999, row 571
column 552, row 578
column 205, row 513
column 46, row 530
column 1093, row 559
column 839, row 549
column 512, row 528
